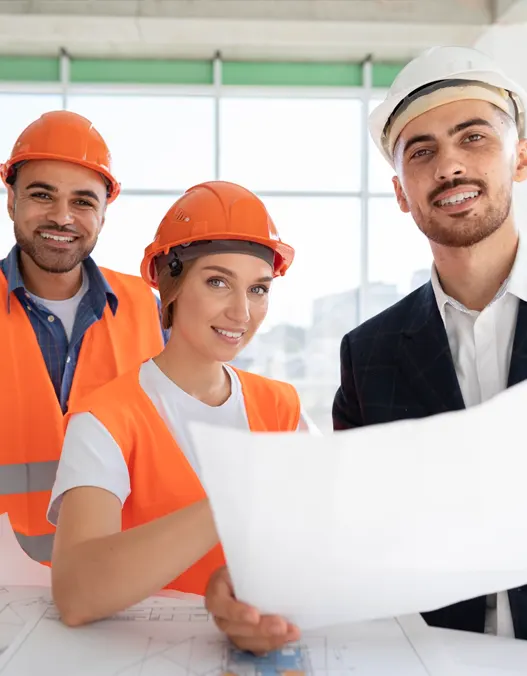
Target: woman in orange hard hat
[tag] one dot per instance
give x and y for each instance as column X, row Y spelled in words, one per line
column 132, row 514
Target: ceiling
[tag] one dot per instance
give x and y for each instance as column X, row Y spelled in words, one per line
column 391, row 30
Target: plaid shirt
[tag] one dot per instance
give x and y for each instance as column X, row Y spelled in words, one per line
column 60, row 355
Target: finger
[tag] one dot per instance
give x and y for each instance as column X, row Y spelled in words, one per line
column 293, row 633
column 259, row 646
column 273, row 625
column 246, row 630
column 240, row 629
column 221, row 602
column 283, row 632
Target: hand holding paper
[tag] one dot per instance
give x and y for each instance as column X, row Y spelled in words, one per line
column 373, row 522
column 244, row 625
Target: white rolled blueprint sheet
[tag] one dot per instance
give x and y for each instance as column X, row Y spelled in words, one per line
column 375, row 522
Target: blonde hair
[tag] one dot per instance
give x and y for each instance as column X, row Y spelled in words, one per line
column 169, row 290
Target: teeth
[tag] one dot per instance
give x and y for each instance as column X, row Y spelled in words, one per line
column 460, row 197
column 57, row 238
column 229, row 334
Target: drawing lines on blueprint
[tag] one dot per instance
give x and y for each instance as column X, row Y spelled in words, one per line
column 213, row 656
column 152, row 613
column 195, row 656
column 14, row 615
column 163, row 637
column 11, row 623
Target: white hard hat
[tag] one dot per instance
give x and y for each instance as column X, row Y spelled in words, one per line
column 437, row 64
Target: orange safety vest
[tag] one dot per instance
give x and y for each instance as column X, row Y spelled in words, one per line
column 161, row 478
column 31, row 422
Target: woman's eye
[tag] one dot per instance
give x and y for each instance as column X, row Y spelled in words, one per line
column 260, row 290
column 216, row 283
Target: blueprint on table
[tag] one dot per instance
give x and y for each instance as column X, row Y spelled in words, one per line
column 166, row 636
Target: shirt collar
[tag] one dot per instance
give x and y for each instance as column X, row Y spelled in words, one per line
column 515, row 284
column 99, row 287
column 12, row 273
column 441, row 297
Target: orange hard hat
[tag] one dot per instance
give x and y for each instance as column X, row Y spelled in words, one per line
column 215, row 217
column 62, row 135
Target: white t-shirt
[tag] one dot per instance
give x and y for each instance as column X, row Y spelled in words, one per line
column 91, row 456
column 65, row 310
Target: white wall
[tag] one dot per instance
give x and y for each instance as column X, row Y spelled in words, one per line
column 508, row 45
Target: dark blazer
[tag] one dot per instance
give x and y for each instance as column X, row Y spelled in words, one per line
column 398, row 365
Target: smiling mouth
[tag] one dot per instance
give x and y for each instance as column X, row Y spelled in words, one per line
column 458, row 199
column 55, row 237
column 232, row 335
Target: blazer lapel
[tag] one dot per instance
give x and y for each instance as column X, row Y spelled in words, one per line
column 425, row 360
column 518, row 366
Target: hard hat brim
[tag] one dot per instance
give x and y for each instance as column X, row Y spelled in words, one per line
column 114, row 186
column 381, row 114
column 285, row 255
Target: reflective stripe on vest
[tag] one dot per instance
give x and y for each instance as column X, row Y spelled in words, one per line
column 28, row 477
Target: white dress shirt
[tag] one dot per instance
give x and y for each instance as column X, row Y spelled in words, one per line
column 481, row 346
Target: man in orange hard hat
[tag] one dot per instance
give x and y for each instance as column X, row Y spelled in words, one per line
column 66, row 326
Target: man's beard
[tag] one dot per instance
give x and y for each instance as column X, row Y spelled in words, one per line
column 463, row 230
column 56, row 261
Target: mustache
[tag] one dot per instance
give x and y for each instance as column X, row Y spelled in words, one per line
column 455, row 183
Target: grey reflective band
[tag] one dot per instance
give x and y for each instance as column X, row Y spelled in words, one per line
column 29, row 477
column 38, row 547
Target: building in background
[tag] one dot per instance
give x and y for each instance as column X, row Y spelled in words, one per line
column 309, row 357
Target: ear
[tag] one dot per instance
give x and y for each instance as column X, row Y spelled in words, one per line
column 11, row 202
column 521, row 161
column 400, row 196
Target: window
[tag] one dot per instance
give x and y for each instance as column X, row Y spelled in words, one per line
column 291, row 144
column 380, row 173
column 393, row 276
column 7, row 237
column 315, row 303
column 19, row 110
column 390, row 277
column 312, row 147
column 304, row 157
column 157, row 142
column 131, row 223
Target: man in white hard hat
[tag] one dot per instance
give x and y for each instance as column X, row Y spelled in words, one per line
column 452, row 126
